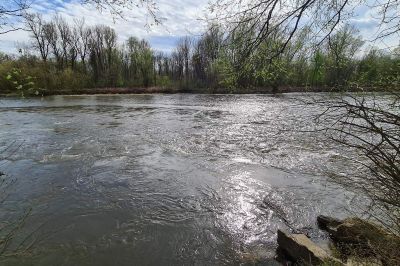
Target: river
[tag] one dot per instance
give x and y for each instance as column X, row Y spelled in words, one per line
column 180, row 179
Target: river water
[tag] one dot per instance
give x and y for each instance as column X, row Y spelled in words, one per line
column 165, row 179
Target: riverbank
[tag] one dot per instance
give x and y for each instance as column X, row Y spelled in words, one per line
column 354, row 241
column 172, row 90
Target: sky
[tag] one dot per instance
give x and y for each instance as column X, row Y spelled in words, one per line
column 180, row 18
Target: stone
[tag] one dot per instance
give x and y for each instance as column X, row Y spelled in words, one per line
column 365, row 261
column 299, row 248
column 357, row 237
column 327, row 223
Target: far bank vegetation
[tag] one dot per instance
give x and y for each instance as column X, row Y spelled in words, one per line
column 66, row 58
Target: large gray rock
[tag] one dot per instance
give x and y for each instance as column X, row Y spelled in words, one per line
column 357, row 237
column 301, row 249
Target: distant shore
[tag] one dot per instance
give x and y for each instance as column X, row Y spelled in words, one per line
column 170, row 90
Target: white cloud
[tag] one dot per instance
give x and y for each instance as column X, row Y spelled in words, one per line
column 367, row 21
column 179, row 19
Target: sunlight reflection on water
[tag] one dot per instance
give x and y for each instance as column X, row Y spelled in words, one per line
column 181, row 179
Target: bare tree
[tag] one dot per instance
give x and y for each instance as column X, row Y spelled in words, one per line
column 96, row 51
column 263, row 18
column 83, row 40
column 110, row 42
column 388, row 14
column 117, row 7
column 52, row 36
column 370, row 126
column 74, row 46
column 177, row 65
column 11, row 11
column 184, row 53
column 206, row 51
column 40, row 30
column 65, row 38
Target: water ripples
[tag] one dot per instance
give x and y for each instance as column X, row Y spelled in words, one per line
column 183, row 179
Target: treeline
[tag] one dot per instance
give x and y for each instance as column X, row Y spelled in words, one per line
column 69, row 57
column 66, row 57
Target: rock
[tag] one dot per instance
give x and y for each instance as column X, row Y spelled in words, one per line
column 328, row 223
column 356, row 261
column 357, row 237
column 301, row 249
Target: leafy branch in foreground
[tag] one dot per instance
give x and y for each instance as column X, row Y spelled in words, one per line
column 23, row 83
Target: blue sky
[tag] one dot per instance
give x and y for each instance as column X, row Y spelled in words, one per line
column 180, row 18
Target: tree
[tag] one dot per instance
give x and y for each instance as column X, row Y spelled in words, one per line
column 183, row 51
column 10, row 12
column 83, row 40
column 371, row 128
column 40, row 32
column 318, row 68
column 117, row 7
column 146, row 63
column 52, row 36
column 342, row 47
column 65, row 38
column 266, row 17
column 206, row 51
